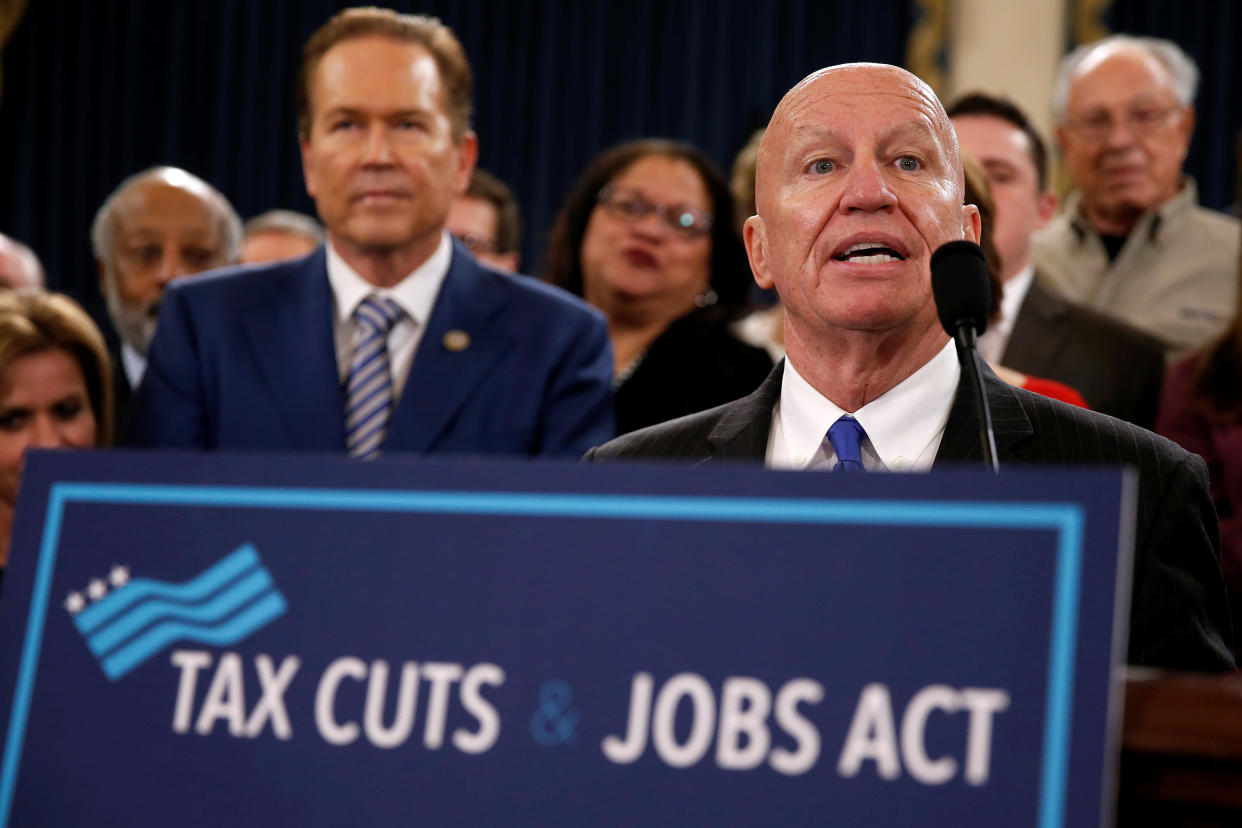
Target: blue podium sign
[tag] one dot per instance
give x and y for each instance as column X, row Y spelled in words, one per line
column 198, row 640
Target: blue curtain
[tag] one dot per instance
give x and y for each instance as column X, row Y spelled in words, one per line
column 95, row 91
column 1211, row 32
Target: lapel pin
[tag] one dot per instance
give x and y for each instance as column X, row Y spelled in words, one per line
column 457, row 340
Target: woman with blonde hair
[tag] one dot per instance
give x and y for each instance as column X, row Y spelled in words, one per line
column 55, row 387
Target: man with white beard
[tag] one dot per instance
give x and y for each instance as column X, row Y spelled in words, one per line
column 158, row 225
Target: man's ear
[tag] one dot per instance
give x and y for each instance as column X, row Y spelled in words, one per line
column 754, row 235
column 1061, row 134
column 972, row 225
column 1046, row 208
column 308, row 166
column 1186, row 128
column 467, row 156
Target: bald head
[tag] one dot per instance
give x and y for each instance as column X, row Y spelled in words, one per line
column 133, row 196
column 159, row 225
column 859, row 181
column 818, row 98
column 1124, row 127
column 19, row 266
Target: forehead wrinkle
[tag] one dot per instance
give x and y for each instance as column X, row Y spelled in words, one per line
column 1122, row 51
column 866, row 80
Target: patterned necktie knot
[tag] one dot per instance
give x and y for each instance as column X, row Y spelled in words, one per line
column 846, row 436
column 378, row 314
column 369, row 397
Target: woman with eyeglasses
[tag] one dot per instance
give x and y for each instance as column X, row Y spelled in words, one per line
column 647, row 236
column 55, row 387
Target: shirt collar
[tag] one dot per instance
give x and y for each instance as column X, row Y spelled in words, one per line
column 901, row 423
column 993, row 341
column 1014, row 295
column 415, row 293
column 134, row 363
column 1156, row 222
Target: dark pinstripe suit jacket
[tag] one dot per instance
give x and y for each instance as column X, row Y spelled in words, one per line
column 1117, row 368
column 1178, row 614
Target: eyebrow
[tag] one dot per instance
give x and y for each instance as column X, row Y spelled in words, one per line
column 1146, row 97
column 1004, row 163
column 910, row 130
column 906, row 130
column 351, row 110
column 818, row 133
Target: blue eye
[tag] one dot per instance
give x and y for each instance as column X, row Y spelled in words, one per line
column 908, row 163
column 822, row 167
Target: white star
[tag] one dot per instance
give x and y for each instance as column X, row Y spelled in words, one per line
column 75, row 603
column 119, row 576
column 96, row 589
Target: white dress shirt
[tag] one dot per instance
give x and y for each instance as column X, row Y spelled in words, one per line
column 415, row 294
column 994, row 340
column 904, row 425
column 134, row 363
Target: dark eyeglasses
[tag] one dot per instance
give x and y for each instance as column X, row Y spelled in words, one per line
column 630, row 206
column 1099, row 124
column 478, row 244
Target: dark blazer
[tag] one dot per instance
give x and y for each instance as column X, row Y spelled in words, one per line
column 693, row 365
column 122, row 393
column 1117, row 368
column 245, row 359
column 1178, row 614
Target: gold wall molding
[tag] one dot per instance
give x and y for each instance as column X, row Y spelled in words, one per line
column 1087, row 21
column 11, row 12
column 927, row 48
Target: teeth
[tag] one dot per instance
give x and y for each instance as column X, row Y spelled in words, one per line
column 879, row 259
column 863, row 246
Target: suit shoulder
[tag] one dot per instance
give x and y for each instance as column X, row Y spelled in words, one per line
column 539, row 296
column 1223, row 227
column 235, row 281
column 1070, row 435
column 1102, row 327
column 679, row 439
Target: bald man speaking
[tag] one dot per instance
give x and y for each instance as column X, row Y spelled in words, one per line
column 859, row 181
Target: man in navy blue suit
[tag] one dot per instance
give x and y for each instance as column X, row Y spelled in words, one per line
column 390, row 337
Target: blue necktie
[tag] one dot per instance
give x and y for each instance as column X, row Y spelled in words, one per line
column 369, row 387
column 846, row 436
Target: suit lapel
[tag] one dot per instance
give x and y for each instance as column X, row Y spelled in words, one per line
column 444, row 373
column 1010, row 424
column 741, row 434
column 291, row 334
column 1038, row 332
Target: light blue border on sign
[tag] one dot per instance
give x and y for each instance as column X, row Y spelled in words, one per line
column 1066, row 519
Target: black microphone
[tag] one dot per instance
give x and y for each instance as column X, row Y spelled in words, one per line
column 963, row 293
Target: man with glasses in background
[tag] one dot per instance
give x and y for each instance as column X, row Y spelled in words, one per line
column 1133, row 240
column 487, row 221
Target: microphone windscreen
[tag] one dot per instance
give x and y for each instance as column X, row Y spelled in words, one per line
column 959, row 277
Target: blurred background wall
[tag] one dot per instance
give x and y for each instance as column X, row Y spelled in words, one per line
column 94, row 91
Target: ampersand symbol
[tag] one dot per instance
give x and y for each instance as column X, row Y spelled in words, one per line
column 554, row 723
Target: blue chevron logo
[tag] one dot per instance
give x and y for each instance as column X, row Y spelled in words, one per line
column 225, row 603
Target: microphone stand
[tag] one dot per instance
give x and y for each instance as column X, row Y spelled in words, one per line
column 966, row 341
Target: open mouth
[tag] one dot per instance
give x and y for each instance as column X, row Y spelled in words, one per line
column 639, row 258
column 869, row 253
column 379, row 196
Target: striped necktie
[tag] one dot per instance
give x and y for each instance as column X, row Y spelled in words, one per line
column 369, row 387
column 846, row 436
